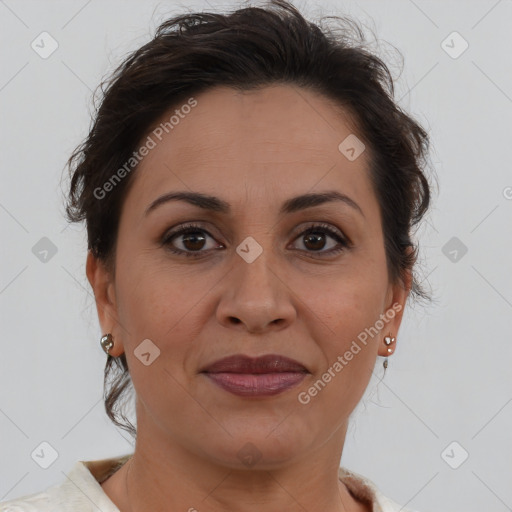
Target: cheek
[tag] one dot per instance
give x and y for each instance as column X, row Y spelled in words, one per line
column 161, row 306
column 147, row 287
column 356, row 309
column 152, row 309
column 349, row 349
column 349, row 307
column 348, row 300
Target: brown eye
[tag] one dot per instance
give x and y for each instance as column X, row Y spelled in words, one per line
column 193, row 241
column 314, row 241
column 316, row 238
column 192, row 238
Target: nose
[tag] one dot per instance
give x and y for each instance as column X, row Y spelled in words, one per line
column 256, row 296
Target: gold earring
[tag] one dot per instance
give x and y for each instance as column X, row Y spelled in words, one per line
column 107, row 342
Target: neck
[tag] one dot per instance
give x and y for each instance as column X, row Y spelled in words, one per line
column 163, row 476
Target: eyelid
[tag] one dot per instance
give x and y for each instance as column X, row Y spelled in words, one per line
column 203, row 225
column 305, row 226
column 183, row 227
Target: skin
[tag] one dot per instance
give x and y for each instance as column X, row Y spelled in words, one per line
column 254, row 150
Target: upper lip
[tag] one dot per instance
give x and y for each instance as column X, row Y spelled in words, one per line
column 271, row 363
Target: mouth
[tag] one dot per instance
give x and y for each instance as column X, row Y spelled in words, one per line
column 262, row 376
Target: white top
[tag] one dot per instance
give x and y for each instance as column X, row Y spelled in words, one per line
column 82, row 492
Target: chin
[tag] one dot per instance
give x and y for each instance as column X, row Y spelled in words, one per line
column 256, row 450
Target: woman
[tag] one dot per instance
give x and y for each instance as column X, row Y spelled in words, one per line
column 249, row 188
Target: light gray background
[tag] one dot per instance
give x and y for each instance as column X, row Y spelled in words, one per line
column 450, row 379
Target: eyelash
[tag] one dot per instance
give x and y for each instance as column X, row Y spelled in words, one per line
column 194, row 228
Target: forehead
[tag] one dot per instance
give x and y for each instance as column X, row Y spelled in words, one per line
column 275, row 118
column 262, row 144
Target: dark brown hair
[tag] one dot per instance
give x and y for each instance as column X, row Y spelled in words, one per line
column 246, row 49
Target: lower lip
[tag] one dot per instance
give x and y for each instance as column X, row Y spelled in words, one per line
column 264, row 384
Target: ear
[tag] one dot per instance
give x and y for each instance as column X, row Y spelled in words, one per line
column 395, row 305
column 102, row 283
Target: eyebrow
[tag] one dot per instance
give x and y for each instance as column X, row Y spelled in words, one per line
column 215, row 204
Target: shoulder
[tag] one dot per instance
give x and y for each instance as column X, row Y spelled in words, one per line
column 31, row 503
column 80, row 491
column 366, row 491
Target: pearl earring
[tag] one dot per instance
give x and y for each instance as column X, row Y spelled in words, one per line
column 388, row 340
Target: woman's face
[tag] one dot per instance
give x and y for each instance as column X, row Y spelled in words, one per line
column 248, row 279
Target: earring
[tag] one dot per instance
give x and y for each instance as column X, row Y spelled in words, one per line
column 107, row 342
column 388, row 340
